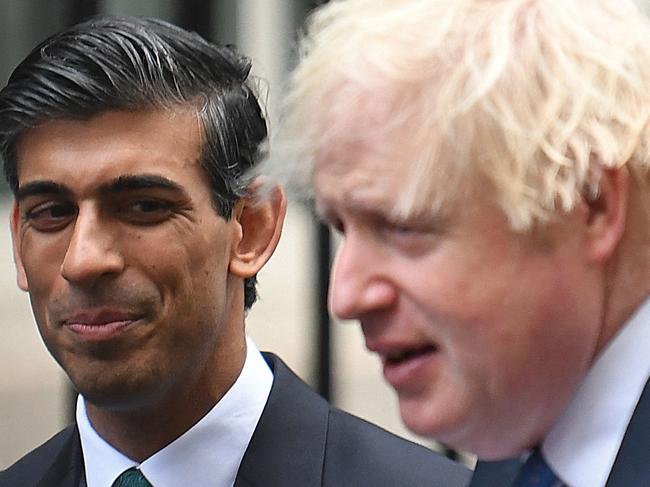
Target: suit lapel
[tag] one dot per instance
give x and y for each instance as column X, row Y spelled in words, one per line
column 67, row 469
column 631, row 467
column 495, row 474
column 632, row 464
column 288, row 445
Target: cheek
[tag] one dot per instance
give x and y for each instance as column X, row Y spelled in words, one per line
column 42, row 257
column 456, row 296
column 526, row 332
column 42, row 265
column 194, row 271
column 480, row 312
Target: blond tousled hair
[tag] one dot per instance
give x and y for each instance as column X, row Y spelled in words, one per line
column 539, row 96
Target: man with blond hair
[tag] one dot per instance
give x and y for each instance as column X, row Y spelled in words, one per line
column 486, row 164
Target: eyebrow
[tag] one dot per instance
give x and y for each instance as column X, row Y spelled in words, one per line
column 34, row 188
column 126, row 182
column 129, row 182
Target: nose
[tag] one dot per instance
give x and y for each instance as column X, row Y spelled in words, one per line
column 359, row 285
column 91, row 251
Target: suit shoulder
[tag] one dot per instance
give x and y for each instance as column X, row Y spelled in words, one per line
column 357, row 449
column 29, row 469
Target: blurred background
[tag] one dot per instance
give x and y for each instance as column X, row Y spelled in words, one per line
column 289, row 319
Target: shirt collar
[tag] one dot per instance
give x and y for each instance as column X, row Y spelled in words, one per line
column 209, row 453
column 583, row 443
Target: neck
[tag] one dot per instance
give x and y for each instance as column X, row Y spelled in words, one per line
column 141, row 431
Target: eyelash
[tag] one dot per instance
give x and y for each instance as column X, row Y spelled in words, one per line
column 42, row 222
column 384, row 227
column 157, row 204
column 42, row 208
column 51, row 216
column 157, row 211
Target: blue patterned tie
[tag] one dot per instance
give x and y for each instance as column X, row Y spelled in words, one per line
column 131, row 478
column 536, row 473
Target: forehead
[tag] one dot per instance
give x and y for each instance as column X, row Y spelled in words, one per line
column 361, row 171
column 380, row 173
column 372, row 148
column 84, row 152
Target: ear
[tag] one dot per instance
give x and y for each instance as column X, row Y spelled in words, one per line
column 607, row 214
column 15, row 238
column 260, row 226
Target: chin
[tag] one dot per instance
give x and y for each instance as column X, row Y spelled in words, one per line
column 422, row 419
column 450, row 426
column 118, row 396
column 482, row 442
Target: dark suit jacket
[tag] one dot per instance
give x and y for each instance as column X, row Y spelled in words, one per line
column 300, row 440
column 631, row 467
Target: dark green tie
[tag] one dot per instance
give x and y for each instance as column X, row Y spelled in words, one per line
column 131, row 478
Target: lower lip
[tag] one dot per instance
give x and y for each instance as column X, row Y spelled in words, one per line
column 410, row 372
column 97, row 333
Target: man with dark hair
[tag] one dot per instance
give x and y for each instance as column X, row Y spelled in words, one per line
column 138, row 237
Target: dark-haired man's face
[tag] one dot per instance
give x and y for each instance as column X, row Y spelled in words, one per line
column 125, row 259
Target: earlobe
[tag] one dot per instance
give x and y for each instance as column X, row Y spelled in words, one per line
column 260, row 224
column 15, row 238
column 607, row 214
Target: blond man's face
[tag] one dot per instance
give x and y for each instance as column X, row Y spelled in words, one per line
column 483, row 333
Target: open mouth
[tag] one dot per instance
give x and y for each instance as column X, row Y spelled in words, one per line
column 409, row 368
column 398, row 357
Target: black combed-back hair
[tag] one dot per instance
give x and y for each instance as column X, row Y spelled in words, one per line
column 118, row 63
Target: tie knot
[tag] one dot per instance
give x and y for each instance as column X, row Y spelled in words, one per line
column 131, row 478
column 536, row 473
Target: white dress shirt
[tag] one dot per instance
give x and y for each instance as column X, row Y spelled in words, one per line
column 582, row 444
column 208, row 454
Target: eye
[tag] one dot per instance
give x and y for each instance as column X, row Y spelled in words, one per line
column 149, row 206
column 400, row 234
column 334, row 224
column 147, row 211
column 332, row 220
column 402, row 229
column 50, row 216
column 396, row 228
column 338, row 226
column 410, row 238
